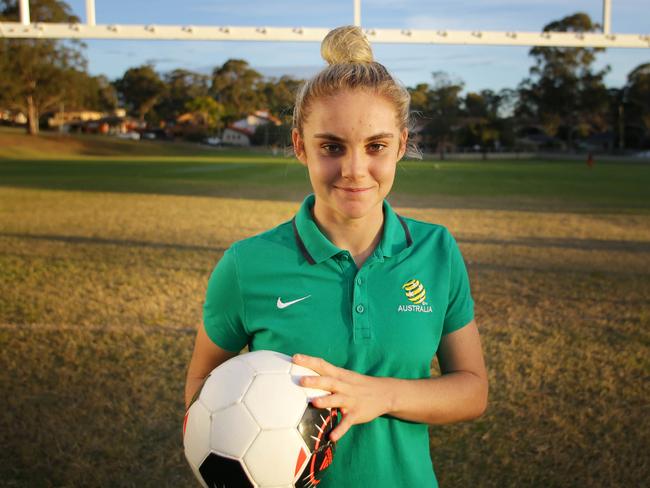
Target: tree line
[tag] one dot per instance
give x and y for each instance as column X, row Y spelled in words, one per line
column 562, row 103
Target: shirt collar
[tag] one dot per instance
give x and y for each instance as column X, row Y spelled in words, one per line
column 316, row 247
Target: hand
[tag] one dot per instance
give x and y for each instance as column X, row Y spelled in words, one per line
column 360, row 398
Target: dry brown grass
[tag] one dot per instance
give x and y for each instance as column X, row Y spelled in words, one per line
column 100, row 294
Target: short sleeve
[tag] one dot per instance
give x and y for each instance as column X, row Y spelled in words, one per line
column 460, row 306
column 223, row 309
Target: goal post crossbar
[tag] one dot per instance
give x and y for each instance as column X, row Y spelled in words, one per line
column 90, row 30
column 48, row 30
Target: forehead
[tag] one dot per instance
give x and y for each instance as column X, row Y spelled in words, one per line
column 352, row 112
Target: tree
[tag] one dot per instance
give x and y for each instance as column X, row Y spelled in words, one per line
column 563, row 93
column 182, row 87
column 487, row 119
column 38, row 74
column 209, row 111
column 636, row 103
column 140, row 88
column 420, row 97
column 479, row 119
column 238, row 88
column 444, row 109
column 280, row 95
column 90, row 93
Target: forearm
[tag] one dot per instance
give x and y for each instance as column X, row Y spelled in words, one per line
column 192, row 385
column 445, row 399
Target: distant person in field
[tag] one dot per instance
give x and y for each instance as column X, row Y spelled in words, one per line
column 352, row 290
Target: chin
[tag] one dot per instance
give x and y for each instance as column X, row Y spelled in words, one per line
column 356, row 209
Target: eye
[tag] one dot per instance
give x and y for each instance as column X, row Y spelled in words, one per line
column 376, row 147
column 332, row 148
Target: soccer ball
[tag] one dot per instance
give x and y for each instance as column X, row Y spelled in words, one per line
column 252, row 425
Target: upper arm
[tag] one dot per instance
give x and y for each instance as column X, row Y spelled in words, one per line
column 224, row 314
column 207, row 355
column 460, row 304
column 461, row 351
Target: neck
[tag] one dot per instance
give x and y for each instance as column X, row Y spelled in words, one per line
column 358, row 236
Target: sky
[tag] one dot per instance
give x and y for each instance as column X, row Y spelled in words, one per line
column 479, row 67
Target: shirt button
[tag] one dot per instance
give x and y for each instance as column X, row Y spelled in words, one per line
column 345, row 257
column 360, row 308
column 359, row 281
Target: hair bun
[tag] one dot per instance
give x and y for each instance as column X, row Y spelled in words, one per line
column 346, row 44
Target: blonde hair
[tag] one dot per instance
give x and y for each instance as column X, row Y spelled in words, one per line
column 352, row 66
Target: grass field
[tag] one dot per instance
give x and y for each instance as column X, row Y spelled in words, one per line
column 105, row 251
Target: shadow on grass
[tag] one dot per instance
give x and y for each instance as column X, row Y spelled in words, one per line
column 535, row 242
column 580, row 244
column 113, row 242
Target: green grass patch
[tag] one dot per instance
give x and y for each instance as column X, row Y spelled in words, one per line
column 487, row 184
column 108, row 164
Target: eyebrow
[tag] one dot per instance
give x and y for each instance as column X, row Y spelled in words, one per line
column 331, row 137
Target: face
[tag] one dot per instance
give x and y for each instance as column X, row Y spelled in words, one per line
column 350, row 144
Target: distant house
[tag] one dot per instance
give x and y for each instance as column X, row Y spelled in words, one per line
column 92, row 122
column 60, row 119
column 236, row 136
column 598, row 142
column 240, row 132
column 253, row 121
column 533, row 138
column 9, row 117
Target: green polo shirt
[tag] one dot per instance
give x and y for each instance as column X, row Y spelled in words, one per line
column 291, row 290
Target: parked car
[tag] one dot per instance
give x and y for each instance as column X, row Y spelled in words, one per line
column 212, row 141
column 133, row 136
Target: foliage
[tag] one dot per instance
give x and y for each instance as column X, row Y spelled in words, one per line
column 140, row 89
column 209, row 111
column 280, row 94
column 182, row 87
column 563, row 94
column 440, row 109
column 636, row 99
column 484, row 123
column 91, row 93
column 238, row 88
column 39, row 74
column 278, row 136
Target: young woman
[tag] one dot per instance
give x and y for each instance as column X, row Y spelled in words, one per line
column 364, row 297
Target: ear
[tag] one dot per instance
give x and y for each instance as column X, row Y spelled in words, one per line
column 298, row 146
column 403, row 138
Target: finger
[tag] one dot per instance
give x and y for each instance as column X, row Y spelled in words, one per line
column 326, row 383
column 319, row 365
column 342, row 428
column 329, row 401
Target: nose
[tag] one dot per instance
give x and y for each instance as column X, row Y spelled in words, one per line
column 354, row 165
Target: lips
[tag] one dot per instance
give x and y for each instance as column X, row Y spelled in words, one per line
column 353, row 190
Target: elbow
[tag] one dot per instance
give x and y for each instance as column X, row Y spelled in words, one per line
column 481, row 408
column 481, row 398
column 479, row 401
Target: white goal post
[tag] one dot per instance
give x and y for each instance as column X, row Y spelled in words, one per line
column 91, row 30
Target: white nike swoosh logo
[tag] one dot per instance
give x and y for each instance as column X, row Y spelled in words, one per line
column 282, row 304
